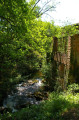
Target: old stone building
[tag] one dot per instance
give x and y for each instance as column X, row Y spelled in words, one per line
column 66, row 55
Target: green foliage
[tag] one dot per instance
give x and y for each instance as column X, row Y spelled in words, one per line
column 53, row 108
column 24, row 41
column 46, row 70
column 73, row 88
column 68, row 30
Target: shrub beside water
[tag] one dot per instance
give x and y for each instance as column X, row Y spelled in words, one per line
column 51, row 109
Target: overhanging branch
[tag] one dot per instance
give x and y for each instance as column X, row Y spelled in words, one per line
column 44, row 6
column 47, row 10
column 35, row 5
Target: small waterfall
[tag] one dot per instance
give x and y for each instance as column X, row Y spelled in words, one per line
column 39, row 83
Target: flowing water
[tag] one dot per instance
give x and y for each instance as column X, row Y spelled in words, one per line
column 24, row 95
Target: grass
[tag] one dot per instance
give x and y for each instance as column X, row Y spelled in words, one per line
column 59, row 106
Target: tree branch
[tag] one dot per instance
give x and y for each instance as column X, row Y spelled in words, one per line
column 44, row 6
column 49, row 15
column 35, row 5
column 47, row 10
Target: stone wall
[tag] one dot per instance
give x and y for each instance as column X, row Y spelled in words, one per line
column 74, row 59
column 66, row 54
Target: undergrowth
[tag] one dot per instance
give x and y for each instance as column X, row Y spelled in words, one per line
column 51, row 109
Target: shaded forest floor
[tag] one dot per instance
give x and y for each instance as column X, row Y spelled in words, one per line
column 72, row 114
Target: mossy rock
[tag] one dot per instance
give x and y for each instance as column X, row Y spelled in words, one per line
column 32, row 81
column 35, row 81
column 41, row 95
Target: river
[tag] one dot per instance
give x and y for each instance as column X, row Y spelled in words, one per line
column 23, row 95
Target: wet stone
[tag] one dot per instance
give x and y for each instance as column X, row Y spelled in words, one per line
column 24, row 95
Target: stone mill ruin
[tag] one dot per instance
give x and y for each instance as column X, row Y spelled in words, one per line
column 66, row 56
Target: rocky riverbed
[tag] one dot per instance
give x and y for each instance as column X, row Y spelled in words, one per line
column 25, row 94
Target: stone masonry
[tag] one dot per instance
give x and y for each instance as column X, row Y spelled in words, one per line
column 66, row 54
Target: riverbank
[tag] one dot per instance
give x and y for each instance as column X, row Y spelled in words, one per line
column 6, row 87
column 25, row 93
column 59, row 106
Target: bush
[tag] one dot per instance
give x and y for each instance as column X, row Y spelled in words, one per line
column 73, row 88
column 47, row 74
